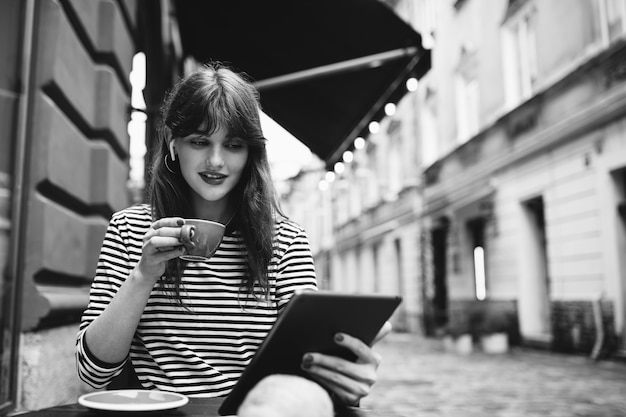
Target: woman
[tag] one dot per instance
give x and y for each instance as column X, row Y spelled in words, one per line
column 192, row 327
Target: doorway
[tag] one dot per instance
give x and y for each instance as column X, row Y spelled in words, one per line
column 476, row 228
column 439, row 242
column 619, row 180
column 535, row 286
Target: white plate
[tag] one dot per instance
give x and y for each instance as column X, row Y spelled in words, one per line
column 133, row 400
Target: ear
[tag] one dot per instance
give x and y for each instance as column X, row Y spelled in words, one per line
column 172, row 150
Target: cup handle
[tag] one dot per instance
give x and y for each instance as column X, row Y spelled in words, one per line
column 187, row 233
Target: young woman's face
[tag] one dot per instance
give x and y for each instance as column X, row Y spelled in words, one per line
column 212, row 165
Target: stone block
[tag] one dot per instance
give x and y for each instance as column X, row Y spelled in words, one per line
column 99, row 163
column 64, row 64
column 107, row 31
column 117, row 194
column 60, row 151
column 130, row 8
column 89, row 94
column 114, row 36
column 87, row 14
column 63, row 151
column 112, row 107
column 61, row 241
column 109, row 177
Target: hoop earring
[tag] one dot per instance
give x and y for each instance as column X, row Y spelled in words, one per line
column 166, row 164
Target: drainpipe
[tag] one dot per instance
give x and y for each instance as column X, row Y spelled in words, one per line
column 19, row 196
column 17, row 220
column 599, row 325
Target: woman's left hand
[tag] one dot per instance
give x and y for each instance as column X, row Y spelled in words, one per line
column 348, row 381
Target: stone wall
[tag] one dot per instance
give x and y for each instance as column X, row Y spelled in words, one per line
column 75, row 174
column 77, row 164
column 575, row 330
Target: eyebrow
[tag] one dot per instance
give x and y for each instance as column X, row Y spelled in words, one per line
column 229, row 136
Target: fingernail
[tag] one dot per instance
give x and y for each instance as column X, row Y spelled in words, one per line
column 307, row 360
column 339, row 337
column 180, row 222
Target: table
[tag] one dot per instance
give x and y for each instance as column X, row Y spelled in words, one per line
column 197, row 407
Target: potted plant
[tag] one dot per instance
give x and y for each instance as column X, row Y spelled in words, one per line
column 493, row 331
column 458, row 337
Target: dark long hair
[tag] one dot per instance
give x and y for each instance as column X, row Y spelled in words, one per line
column 210, row 98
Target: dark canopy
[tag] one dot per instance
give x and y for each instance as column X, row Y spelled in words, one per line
column 325, row 68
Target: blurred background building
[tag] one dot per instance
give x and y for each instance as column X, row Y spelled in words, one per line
column 493, row 195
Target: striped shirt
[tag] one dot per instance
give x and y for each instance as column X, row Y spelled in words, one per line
column 202, row 347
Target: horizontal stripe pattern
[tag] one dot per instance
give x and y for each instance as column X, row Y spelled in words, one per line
column 202, row 347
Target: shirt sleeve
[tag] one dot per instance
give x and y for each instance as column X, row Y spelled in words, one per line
column 295, row 269
column 112, row 269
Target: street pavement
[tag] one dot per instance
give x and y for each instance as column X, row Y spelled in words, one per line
column 419, row 378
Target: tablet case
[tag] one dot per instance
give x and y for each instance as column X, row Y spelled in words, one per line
column 308, row 324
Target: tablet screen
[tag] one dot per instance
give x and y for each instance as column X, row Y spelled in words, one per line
column 308, row 324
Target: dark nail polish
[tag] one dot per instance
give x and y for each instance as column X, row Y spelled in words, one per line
column 307, row 360
column 180, row 222
column 339, row 337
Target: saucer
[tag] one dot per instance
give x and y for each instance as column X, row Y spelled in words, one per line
column 132, row 400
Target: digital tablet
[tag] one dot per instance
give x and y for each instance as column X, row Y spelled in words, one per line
column 309, row 323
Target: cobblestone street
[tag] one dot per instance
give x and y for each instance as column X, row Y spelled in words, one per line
column 418, row 378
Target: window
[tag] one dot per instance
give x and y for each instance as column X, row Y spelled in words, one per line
column 613, row 19
column 425, row 20
column 342, row 200
column 477, row 239
column 520, row 55
column 428, row 128
column 467, row 106
column 355, row 192
column 620, row 179
column 467, row 93
column 395, row 168
column 377, row 267
column 370, row 170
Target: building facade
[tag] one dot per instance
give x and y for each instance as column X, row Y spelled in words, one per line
column 363, row 218
column 65, row 103
column 500, row 184
column 524, row 201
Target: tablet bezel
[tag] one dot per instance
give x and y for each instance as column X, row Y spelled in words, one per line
column 308, row 324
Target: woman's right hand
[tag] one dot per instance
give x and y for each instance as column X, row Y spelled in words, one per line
column 160, row 244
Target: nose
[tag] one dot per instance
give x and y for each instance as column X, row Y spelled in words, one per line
column 215, row 159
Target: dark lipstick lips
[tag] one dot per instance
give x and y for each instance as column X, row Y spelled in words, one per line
column 212, row 175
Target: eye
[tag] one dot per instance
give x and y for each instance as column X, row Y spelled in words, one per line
column 197, row 141
column 235, row 144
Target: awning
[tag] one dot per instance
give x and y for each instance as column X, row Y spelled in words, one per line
column 325, row 68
